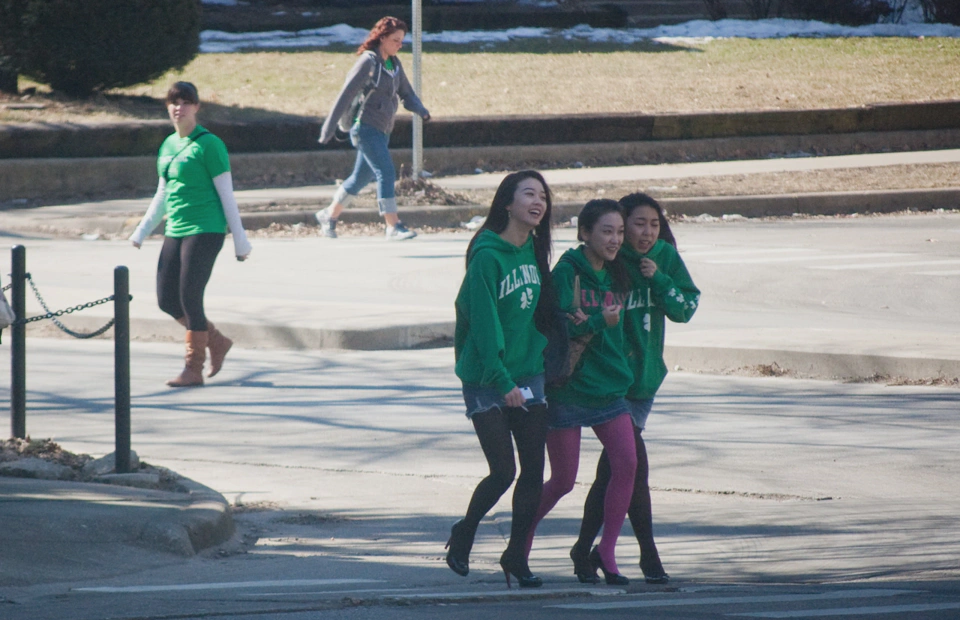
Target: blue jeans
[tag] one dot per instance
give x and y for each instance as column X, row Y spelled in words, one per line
column 373, row 162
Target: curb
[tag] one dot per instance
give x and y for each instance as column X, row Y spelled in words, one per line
column 209, row 519
column 297, row 133
column 782, row 205
column 708, row 360
column 821, row 203
column 808, row 364
column 205, row 522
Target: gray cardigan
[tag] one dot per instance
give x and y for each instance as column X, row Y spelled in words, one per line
column 380, row 105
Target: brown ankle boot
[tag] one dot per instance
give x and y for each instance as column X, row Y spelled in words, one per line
column 219, row 345
column 192, row 373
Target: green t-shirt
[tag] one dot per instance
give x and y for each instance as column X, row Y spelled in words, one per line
column 192, row 203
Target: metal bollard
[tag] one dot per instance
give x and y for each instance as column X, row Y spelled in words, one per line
column 121, row 355
column 18, row 344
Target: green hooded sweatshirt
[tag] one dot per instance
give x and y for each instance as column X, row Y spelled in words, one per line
column 496, row 341
column 602, row 374
column 671, row 293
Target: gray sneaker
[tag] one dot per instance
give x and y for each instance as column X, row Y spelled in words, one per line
column 327, row 226
column 399, row 232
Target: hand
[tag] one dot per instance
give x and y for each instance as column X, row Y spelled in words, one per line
column 578, row 317
column 427, row 117
column 647, row 268
column 243, row 258
column 136, row 244
column 611, row 314
column 514, row 398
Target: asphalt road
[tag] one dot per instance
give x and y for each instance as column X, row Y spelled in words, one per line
column 771, row 495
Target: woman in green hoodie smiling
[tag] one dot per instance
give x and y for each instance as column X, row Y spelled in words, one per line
column 594, row 394
column 499, row 359
column 660, row 286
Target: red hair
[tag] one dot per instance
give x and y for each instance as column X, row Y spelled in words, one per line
column 383, row 28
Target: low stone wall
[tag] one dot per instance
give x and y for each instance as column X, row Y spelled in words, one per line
column 18, row 141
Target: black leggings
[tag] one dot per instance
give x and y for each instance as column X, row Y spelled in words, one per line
column 640, row 512
column 182, row 274
column 529, row 429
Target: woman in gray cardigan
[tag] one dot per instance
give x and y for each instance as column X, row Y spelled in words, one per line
column 377, row 79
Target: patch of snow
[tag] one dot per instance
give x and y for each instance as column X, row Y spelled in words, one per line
column 696, row 31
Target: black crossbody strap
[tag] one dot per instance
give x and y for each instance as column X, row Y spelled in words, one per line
column 185, row 147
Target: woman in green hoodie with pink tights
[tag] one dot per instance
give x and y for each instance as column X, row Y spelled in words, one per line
column 499, row 359
column 660, row 287
column 594, row 394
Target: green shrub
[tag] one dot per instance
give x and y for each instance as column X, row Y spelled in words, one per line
column 80, row 46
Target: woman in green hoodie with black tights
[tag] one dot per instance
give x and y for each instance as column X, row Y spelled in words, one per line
column 499, row 359
column 594, row 394
column 660, row 287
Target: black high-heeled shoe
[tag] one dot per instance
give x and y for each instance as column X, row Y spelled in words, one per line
column 654, row 575
column 458, row 546
column 582, row 566
column 612, row 579
column 517, row 566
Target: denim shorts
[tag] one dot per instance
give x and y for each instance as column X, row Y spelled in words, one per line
column 565, row 415
column 639, row 410
column 480, row 398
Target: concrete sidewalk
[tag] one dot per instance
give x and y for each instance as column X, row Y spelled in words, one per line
column 53, row 530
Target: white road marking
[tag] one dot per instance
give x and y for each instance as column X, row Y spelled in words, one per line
column 851, row 611
column 325, row 592
column 938, row 273
column 901, row 265
column 504, row 592
column 290, row 583
column 732, row 600
column 406, row 593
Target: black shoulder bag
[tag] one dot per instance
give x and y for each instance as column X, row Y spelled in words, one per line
column 185, row 147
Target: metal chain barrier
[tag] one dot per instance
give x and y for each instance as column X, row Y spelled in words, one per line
column 53, row 315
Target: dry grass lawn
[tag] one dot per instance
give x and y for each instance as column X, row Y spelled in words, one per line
column 549, row 78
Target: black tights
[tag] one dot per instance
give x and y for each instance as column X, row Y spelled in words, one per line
column 640, row 512
column 183, row 271
column 529, row 430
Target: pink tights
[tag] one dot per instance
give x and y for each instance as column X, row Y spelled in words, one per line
column 563, row 449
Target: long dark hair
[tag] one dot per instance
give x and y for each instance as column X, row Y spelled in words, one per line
column 499, row 217
column 630, row 202
column 589, row 215
column 385, row 27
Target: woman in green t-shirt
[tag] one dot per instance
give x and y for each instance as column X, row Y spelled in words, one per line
column 195, row 193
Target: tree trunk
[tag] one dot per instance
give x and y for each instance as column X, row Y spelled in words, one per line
column 8, row 81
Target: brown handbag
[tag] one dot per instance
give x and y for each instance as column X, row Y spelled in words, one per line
column 578, row 344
